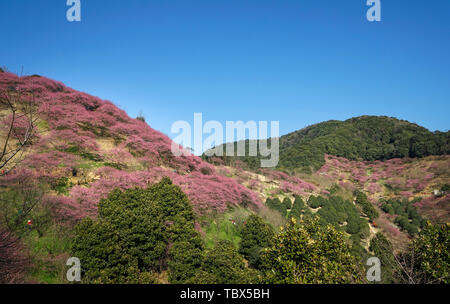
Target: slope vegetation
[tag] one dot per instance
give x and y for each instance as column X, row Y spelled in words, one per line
column 361, row 138
column 86, row 147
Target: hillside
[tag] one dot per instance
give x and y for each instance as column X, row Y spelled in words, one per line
column 85, row 147
column 106, row 187
column 366, row 138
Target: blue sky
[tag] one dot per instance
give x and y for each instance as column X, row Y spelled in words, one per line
column 299, row 62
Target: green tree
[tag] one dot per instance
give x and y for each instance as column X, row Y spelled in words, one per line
column 185, row 258
column 308, row 252
column 427, row 259
column 287, row 203
column 131, row 238
column 383, row 249
column 224, row 265
column 276, row 204
column 298, row 208
column 367, row 208
column 255, row 235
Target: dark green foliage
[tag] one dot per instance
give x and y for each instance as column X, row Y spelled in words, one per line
column 276, row 204
column 334, row 189
column 357, row 249
column 254, row 257
column 288, row 203
column 388, row 208
column 316, row 201
column 298, row 208
column 185, row 258
column 336, row 211
column 130, row 239
column 445, row 188
column 87, row 155
column 255, row 235
column 308, row 252
column 366, row 137
column 61, row 185
column 223, row 265
column 42, row 219
column 367, row 208
column 408, row 218
column 355, row 224
column 427, row 258
column 382, row 249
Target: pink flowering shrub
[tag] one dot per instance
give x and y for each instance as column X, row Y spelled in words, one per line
column 373, row 188
column 274, row 174
column 388, row 227
column 254, row 184
column 406, row 194
column 206, row 192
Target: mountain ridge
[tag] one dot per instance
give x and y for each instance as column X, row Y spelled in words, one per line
column 359, row 138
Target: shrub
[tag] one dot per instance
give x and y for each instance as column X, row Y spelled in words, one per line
column 388, row 208
column 129, row 240
column 405, row 212
column 382, row 248
column 357, row 249
column 276, row 204
column 298, row 208
column 287, row 202
column 367, row 208
column 308, row 252
column 315, row 202
column 13, row 263
column 427, row 258
column 185, row 258
column 223, row 265
column 61, row 185
column 255, row 235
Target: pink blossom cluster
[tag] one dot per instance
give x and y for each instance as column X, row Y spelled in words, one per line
column 206, row 192
column 400, row 174
column 406, row 194
column 373, row 188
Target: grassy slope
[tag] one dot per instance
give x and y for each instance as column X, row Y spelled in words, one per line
column 342, row 172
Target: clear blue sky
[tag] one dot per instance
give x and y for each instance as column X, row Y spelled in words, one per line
column 299, row 62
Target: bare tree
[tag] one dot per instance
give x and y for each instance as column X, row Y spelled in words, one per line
column 423, row 261
column 17, row 205
column 12, row 263
column 18, row 117
column 410, row 269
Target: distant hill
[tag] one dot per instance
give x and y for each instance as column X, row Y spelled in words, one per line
column 361, row 138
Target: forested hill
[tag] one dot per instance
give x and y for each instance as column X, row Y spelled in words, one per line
column 360, row 138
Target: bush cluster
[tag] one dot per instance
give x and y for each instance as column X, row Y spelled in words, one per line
column 407, row 216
